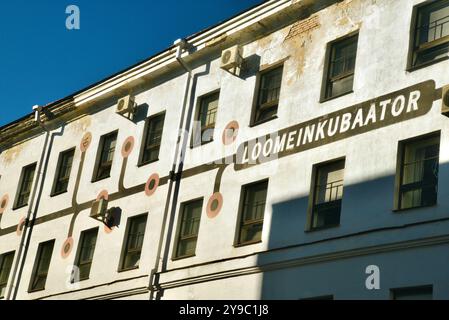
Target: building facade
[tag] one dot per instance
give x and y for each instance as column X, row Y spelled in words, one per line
column 295, row 151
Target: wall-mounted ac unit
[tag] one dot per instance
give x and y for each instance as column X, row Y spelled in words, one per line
column 445, row 107
column 232, row 58
column 126, row 105
column 99, row 209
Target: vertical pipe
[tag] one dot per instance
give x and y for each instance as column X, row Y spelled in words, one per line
column 31, row 214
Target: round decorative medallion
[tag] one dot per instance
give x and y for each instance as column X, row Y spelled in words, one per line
column 214, row 205
column 108, row 230
column 230, row 133
column 20, row 226
column 67, row 248
column 128, row 147
column 152, row 185
column 86, row 141
column 4, row 203
column 103, row 195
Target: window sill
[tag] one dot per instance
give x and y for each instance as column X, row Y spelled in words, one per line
column 323, row 100
column 312, row 230
column 427, row 64
column 19, row 207
column 183, row 257
column 98, row 180
column 399, row 211
column 127, row 269
column 57, row 194
column 143, row 164
column 36, row 290
column 201, row 145
column 246, row 244
column 80, row 280
column 255, row 124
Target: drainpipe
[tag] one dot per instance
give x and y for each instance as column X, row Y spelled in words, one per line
column 31, row 214
column 174, row 181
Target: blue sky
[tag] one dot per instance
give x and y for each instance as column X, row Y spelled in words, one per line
column 41, row 61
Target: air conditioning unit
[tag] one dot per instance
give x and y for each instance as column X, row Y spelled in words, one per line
column 126, row 105
column 445, row 107
column 232, row 58
column 99, row 209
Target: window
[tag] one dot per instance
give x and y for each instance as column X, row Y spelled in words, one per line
column 431, row 33
column 105, row 156
column 327, row 195
column 153, row 138
column 63, row 171
column 340, row 67
column 25, row 185
column 85, row 254
column 206, row 117
column 5, row 269
column 419, row 167
column 252, row 211
column 269, row 90
column 41, row 266
column 132, row 248
column 189, row 228
column 416, row 293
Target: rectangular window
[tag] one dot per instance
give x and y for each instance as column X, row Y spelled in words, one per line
column 252, row 211
column 431, row 33
column 269, row 89
column 41, row 266
column 63, row 171
column 189, row 228
column 419, row 172
column 25, row 185
column 105, row 156
column 416, row 293
column 132, row 247
column 85, row 254
column 206, row 118
column 6, row 261
column 340, row 67
column 152, row 139
column 327, row 195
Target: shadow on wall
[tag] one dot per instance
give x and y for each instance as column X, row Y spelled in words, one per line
column 115, row 218
column 141, row 113
column 367, row 219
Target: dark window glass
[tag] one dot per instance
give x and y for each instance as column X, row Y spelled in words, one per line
column 328, row 194
column 268, row 95
column 207, row 116
column 417, row 293
column 41, row 266
column 153, row 138
column 252, row 212
column 63, row 171
column 85, row 255
column 5, row 269
column 106, row 156
column 341, row 66
column 134, row 242
column 431, row 40
column 25, row 185
column 419, row 173
column 189, row 228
